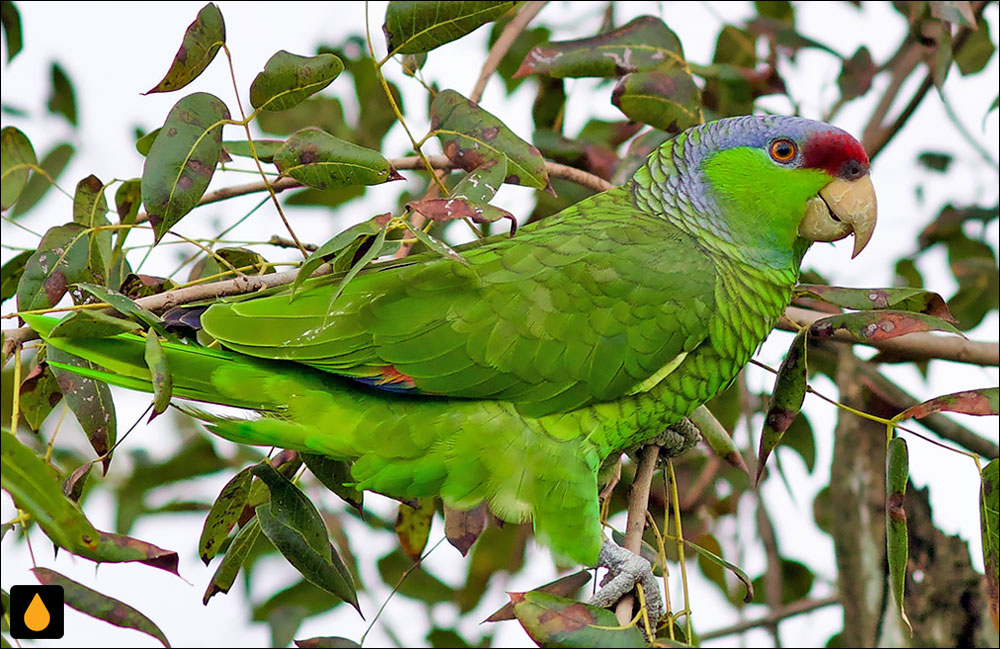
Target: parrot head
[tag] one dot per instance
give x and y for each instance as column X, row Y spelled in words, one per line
column 788, row 177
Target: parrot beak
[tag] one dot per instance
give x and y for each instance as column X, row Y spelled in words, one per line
column 841, row 208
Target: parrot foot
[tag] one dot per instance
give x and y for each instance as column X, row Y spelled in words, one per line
column 679, row 438
column 625, row 570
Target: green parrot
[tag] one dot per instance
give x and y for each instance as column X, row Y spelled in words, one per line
column 511, row 378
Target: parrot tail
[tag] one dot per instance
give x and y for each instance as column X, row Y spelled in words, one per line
column 121, row 360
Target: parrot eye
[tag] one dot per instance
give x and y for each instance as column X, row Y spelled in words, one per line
column 783, row 150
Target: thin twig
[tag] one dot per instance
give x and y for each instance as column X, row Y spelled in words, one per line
column 502, row 45
column 553, row 169
column 877, row 135
column 638, row 501
column 775, row 616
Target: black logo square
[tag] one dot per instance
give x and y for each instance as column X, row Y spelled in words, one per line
column 36, row 612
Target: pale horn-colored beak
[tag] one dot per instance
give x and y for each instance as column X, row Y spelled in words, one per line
column 841, row 208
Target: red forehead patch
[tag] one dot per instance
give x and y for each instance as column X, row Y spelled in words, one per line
column 833, row 152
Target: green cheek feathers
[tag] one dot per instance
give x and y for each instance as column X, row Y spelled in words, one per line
column 763, row 201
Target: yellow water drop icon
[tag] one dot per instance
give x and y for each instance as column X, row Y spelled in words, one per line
column 37, row 616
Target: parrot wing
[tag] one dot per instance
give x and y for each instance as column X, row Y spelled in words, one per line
column 597, row 303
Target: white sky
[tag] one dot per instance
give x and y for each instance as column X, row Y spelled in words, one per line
column 114, row 51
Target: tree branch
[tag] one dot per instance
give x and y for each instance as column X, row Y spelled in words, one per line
column 890, row 393
column 877, row 134
column 502, row 45
column 911, row 347
column 775, row 616
column 638, row 502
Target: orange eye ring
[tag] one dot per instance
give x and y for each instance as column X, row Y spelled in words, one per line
column 783, row 150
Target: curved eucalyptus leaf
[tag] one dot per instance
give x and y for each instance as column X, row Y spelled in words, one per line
column 100, row 606
column 288, row 79
column 16, row 158
column 319, row 160
column 202, row 40
column 183, row 158
column 642, row 44
column 470, row 136
column 415, row 27
column 53, row 164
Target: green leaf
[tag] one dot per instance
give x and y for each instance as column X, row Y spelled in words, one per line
column 202, row 40
column 62, row 259
column 796, row 581
column 481, row 184
column 335, row 475
column 11, row 273
column 145, row 143
column 34, row 488
column 61, row 98
column 183, row 158
column 118, row 548
column 128, row 198
column 856, row 74
column 265, row 149
column 16, row 158
column 373, row 251
column 288, row 79
column 89, row 400
column 897, row 473
column 642, row 44
column 564, row 587
column 706, row 557
column 338, row 243
column 554, row 621
column 292, row 523
column 989, row 524
column 469, row 136
column 163, row 382
column 718, row 438
column 984, row 401
column 38, row 394
column 665, row 98
column 319, row 160
column 413, row 527
column 868, row 299
column 878, row 325
column 53, row 164
column 139, row 286
column 100, row 606
column 127, row 307
column 414, row 27
column 789, row 393
column 450, row 209
column 224, row 576
column 90, row 210
column 976, row 51
column 935, row 161
column 11, row 19
column 436, row 245
column 225, row 512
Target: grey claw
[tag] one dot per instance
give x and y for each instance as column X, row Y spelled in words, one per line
column 625, row 570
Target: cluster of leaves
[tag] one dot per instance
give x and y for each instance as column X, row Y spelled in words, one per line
column 330, row 160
